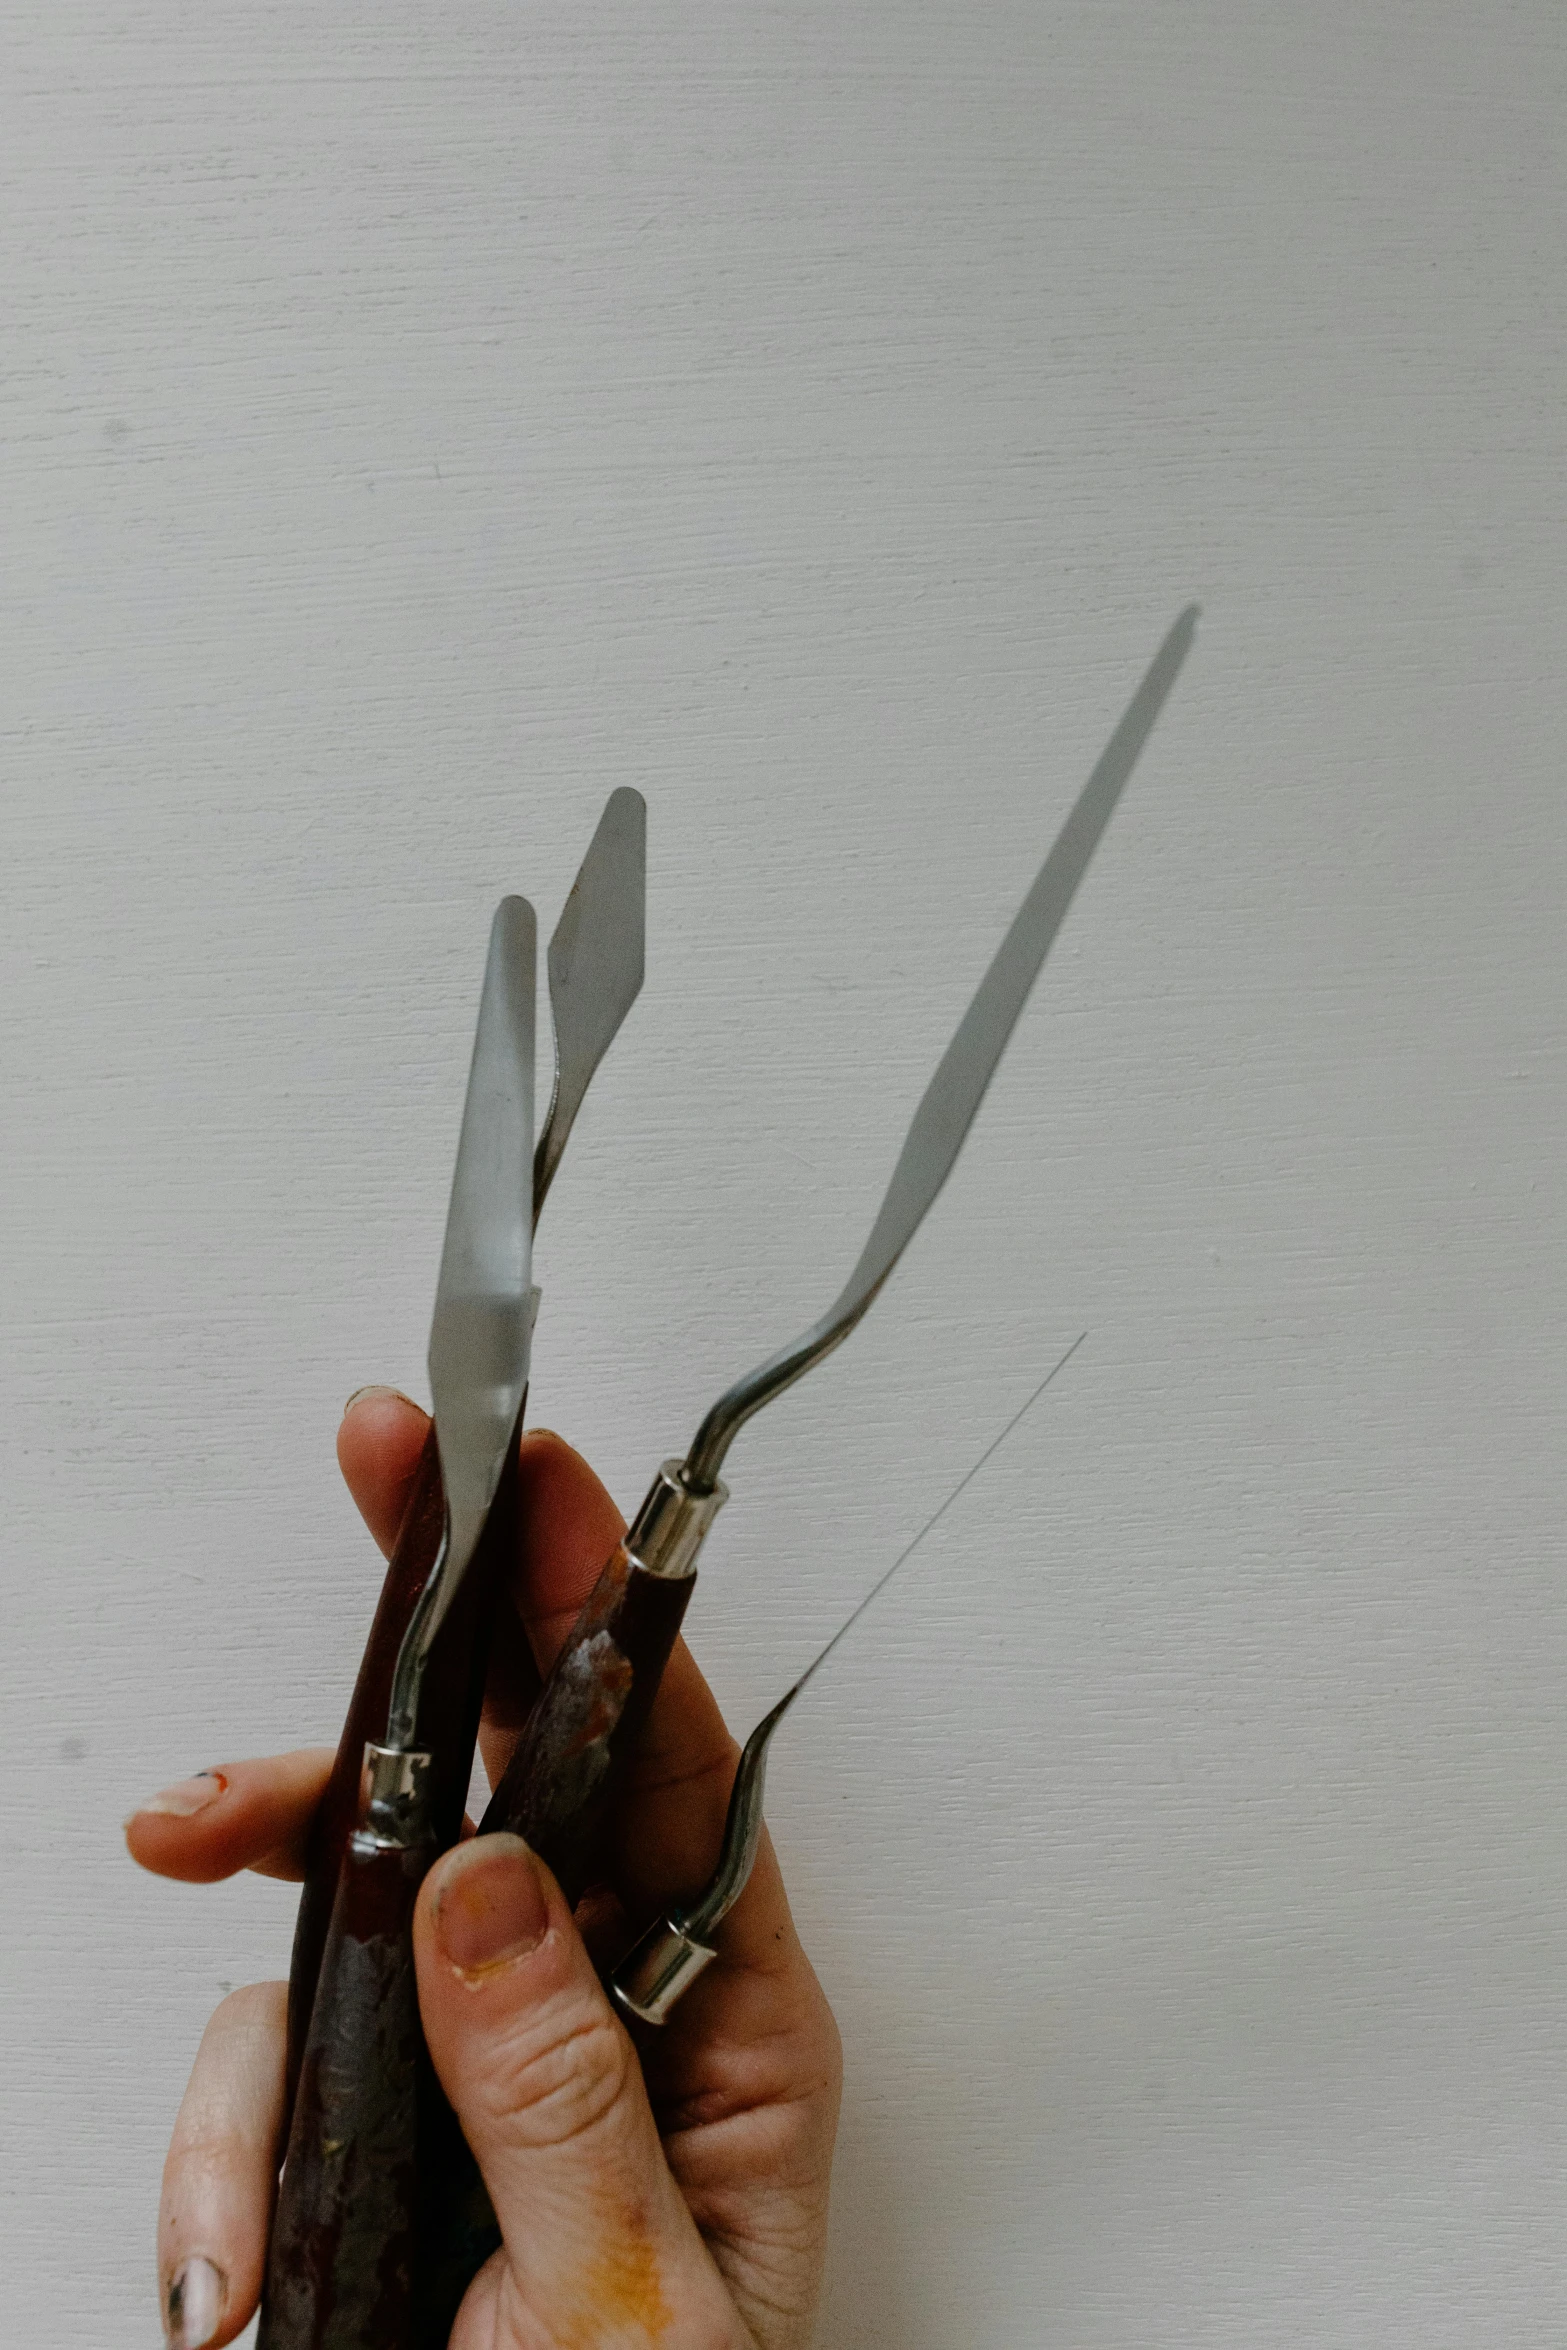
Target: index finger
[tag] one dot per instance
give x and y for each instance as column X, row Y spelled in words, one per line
column 238, row 1815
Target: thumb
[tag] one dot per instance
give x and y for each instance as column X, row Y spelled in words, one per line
column 598, row 2243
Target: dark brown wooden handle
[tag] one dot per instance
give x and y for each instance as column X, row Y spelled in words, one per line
column 407, row 1572
column 560, row 1785
column 559, row 1793
column 449, row 1707
column 340, row 2265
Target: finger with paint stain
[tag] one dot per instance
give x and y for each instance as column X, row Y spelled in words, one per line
column 599, row 2244
column 742, row 2088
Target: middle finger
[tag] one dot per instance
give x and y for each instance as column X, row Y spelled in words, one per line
column 669, row 1821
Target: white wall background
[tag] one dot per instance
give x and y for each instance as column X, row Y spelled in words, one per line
column 417, row 420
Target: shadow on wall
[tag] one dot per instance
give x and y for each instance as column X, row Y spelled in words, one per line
column 1203, row 2146
column 874, row 2267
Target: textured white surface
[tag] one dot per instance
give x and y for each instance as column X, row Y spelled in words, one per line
column 415, row 421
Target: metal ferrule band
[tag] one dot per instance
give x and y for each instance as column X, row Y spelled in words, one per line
column 671, row 1526
column 394, row 1802
column 657, row 1972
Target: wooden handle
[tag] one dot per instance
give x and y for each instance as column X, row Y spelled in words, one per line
column 340, row 2266
column 407, row 1572
column 559, row 1793
column 561, row 1782
column 448, row 1709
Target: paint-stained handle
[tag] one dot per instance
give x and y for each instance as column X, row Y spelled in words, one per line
column 559, row 1793
column 340, row 2266
column 560, row 1785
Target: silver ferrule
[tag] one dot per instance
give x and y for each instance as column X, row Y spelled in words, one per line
column 394, row 1804
column 671, row 1526
column 657, row 1972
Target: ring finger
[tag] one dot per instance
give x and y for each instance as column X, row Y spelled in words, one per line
column 219, row 2178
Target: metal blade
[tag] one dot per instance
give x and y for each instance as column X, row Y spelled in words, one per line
column 742, row 1828
column 663, row 1963
column 743, row 1832
column 958, row 1087
column 595, row 965
column 479, row 1337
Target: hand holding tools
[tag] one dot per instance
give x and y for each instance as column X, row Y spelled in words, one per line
column 341, row 2272
column 339, row 2268
column 558, row 1789
column 340, row 2262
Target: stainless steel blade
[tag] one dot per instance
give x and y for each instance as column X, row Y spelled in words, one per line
column 596, row 960
column 743, row 1832
column 965, row 1070
column 661, row 1966
column 479, row 1337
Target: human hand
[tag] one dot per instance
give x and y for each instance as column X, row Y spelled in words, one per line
column 680, row 2199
